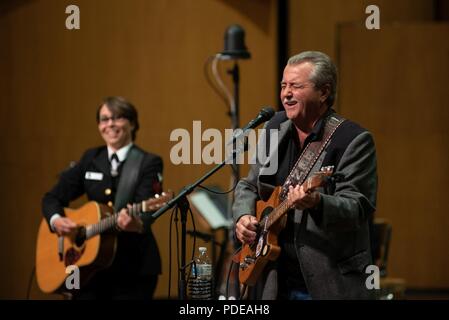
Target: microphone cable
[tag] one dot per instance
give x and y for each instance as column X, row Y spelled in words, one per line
column 229, row 274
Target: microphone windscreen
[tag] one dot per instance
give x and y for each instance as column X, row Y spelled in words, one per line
column 234, row 43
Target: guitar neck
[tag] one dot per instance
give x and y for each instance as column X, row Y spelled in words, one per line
column 275, row 215
column 308, row 186
column 111, row 221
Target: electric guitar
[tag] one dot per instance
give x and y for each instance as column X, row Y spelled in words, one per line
column 91, row 247
column 253, row 257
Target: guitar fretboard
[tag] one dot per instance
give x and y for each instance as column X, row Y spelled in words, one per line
column 309, row 185
column 275, row 215
column 111, row 221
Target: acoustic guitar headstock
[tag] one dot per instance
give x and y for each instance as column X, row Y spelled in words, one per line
column 158, row 201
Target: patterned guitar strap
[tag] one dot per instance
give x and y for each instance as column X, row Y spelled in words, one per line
column 310, row 155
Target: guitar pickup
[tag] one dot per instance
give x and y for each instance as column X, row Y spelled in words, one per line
column 246, row 262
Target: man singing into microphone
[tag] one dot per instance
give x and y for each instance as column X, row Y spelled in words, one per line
column 325, row 241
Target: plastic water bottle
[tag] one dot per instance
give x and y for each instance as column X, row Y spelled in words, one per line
column 201, row 284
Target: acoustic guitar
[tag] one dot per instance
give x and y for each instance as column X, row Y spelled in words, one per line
column 253, row 258
column 91, row 248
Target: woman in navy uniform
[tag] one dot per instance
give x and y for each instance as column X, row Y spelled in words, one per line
column 134, row 271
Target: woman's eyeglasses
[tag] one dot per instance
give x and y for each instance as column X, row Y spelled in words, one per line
column 104, row 119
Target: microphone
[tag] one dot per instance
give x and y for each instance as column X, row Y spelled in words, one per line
column 264, row 115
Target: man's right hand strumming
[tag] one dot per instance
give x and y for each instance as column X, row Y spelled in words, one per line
column 246, row 228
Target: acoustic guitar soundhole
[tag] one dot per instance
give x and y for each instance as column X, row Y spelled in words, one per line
column 80, row 236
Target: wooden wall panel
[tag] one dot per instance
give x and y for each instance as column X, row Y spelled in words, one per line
column 394, row 82
column 313, row 23
column 151, row 52
column 381, row 84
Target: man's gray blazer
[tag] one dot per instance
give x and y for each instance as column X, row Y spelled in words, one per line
column 332, row 242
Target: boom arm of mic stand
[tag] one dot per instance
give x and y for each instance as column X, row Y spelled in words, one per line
column 185, row 192
column 188, row 189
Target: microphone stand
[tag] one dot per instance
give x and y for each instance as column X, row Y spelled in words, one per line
column 235, row 120
column 235, row 115
column 183, row 204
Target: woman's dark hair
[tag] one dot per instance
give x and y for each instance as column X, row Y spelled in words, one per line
column 120, row 107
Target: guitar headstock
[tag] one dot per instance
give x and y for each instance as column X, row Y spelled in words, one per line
column 157, row 201
column 318, row 179
column 327, row 171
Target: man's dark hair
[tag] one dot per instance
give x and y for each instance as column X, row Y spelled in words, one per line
column 120, row 107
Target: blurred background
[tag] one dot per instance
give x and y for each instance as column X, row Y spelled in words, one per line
column 393, row 81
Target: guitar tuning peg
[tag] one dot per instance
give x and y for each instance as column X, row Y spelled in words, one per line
column 157, row 196
column 163, row 193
